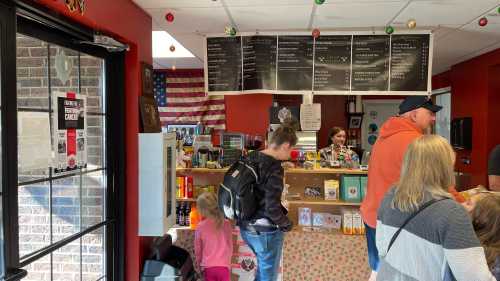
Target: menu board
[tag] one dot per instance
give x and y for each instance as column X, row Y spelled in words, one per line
column 332, row 63
column 224, row 64
column 370, row 63
column 259, row 62
column 295, row 63
column 409, row 62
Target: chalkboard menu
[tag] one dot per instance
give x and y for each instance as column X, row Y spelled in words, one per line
column 224, row 63
column 370, row 63
column 295, row 63
column 409, row 62
column 332, row 63
column 259, row 62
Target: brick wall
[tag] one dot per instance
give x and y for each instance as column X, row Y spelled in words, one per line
column 73, row 208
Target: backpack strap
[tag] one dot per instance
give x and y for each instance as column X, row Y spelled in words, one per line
column 425, row 205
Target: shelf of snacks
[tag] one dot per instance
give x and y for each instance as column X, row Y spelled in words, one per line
column 324, row 202
column 325, row 171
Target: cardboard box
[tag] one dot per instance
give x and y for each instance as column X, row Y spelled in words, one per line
column 332, row 188
column 357, row 223
column 347, row 222
column 305, row 217
column 350, row 190
column 318, row 219
column 332, row 221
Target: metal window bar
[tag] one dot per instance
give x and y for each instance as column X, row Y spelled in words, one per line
column 26, row 260
column 66, row 175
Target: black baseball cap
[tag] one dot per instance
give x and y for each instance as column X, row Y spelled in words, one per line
column 413, row 102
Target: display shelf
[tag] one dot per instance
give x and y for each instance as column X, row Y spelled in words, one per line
column 325, row 171
column 323, row 202
column 201, row 170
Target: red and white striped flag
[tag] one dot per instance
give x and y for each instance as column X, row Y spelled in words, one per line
column 185, row 100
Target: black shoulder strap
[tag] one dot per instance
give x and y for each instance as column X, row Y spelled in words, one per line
column 425, row 205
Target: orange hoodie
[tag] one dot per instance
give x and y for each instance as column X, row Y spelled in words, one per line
column 385, row 163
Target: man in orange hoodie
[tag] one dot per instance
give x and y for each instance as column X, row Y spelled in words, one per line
column 416, row 115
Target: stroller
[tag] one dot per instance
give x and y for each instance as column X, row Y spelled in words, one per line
column 168, row 262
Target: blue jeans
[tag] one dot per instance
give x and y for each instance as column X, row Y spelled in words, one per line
column 373, row 258
column 267, row 247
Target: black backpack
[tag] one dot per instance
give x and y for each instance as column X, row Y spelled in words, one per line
column 236, row 194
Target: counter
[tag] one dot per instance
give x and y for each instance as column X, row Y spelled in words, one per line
column 307, row 256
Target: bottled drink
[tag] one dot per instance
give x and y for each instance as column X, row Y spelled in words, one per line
column 187, row 213
column 177, row 214
column 181, row 215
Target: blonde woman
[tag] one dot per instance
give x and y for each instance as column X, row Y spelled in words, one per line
column 213, row 244
column 428, row 229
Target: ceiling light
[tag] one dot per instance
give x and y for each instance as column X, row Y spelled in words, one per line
column 162, row 41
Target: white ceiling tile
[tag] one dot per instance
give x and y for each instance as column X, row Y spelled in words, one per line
column 356, row 14
column 444, row 12
column 271, row 18
column 192, row 20
column 269, row 3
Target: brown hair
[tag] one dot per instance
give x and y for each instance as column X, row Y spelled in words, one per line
column 486, row 222
column 333, row 132
column 285, row 134
column 208, row 208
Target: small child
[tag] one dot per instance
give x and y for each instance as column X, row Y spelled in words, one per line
column 486, row 222
column 213, row 244
column 484, row 208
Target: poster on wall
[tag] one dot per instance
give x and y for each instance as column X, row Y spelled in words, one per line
column 70, row 131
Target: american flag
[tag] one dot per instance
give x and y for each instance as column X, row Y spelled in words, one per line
column 181, row 99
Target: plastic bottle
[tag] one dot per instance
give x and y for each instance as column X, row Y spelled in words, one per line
column 177, row 214
column 181, row 215
column 187, row 212
column 193, row 217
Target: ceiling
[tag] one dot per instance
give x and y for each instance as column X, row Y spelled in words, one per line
column 457, row 35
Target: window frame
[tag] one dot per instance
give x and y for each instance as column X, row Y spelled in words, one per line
column 28, row 18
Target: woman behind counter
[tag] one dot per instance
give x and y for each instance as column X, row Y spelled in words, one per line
column 336, row 152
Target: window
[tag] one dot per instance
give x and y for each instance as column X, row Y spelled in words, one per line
column 53, row 206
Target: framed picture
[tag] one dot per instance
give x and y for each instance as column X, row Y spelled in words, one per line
column 147, row 79
column 184, row 132
column 149, row 115
column 355, row 121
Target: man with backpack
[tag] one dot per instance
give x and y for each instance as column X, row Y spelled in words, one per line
column 251, row 194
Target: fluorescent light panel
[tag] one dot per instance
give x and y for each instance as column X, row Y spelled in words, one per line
column 161, row 46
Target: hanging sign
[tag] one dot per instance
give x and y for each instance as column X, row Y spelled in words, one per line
column 332, row 64
column 70, row 126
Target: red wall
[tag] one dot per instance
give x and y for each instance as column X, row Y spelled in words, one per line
column 248, row 113
column 127, row 22
column 475, row 86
